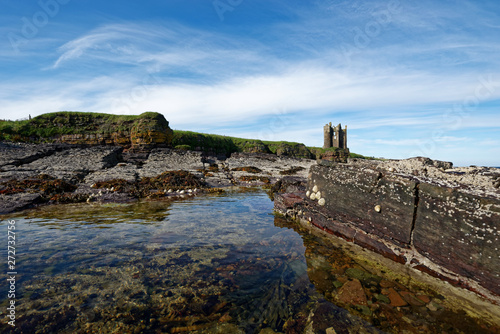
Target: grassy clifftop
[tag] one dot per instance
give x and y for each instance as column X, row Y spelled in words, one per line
column 90, row 128
column 218, row 144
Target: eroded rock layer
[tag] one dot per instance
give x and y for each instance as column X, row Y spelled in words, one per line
column 441, row 220
column 80, row 128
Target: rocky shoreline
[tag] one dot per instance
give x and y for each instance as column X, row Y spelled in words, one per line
column 40, row 174
column 435, row 218
column 422, row 213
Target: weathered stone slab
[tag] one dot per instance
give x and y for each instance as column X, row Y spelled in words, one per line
column 124, row 171
column 460, row 231
column 164, row 159
column 16, row 202
column 15, row 154
column 270, row 164
column 77, row 159
column 351, row 195
column 62, row 162
column 445, row 222
column 286, row 201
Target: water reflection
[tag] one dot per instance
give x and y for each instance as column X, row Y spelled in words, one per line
column 217, row 264
column 391, row 304
column 208, row 265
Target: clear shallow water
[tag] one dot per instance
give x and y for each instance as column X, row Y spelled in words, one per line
column 209, row 264
column 214, row 264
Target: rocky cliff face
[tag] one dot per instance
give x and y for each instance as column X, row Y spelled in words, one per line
column 333, row 154
column 420, row 212
column 293, row 150
column 147, row 129
column 120, row 138
column 150, row 131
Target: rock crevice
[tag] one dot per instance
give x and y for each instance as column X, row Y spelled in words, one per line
column 415, row 212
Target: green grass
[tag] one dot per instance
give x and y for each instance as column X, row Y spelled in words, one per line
column 275, row 145
column 359, row 156
column 226, row 145
column 321, row 150
column 51, row 125
column 204, row 142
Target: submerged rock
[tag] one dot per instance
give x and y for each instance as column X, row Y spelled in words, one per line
column 352, row 293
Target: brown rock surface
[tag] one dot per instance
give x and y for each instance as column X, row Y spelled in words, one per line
column 352, row 293
column 424, row 298
column 396, row 299
column 351, row 196
column 442, row 220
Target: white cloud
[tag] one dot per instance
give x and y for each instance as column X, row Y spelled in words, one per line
column 219, row 80
column 315, row 90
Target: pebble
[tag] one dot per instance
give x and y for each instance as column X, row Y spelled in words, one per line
column 396, row 299
column 386, row 284
column 225, row 318
column 424, row 298
column 432, row 307
column 411, row 299
column 352, row 292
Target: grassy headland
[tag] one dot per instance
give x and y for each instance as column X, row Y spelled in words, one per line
column 48, row 126
column 218, row 144
column 89, row 128
column 95, row 128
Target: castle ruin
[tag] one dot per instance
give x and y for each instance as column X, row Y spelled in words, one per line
column 335, row 136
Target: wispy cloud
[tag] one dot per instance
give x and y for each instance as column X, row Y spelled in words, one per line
column 312, row 85
column 172, row 48
column 426, row 59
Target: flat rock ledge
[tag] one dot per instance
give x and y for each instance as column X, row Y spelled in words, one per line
column 32, row 175
column 423, row 213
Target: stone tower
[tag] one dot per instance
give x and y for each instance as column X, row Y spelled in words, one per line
column 334, row 136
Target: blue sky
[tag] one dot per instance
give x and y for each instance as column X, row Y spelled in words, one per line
column 408, row 78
